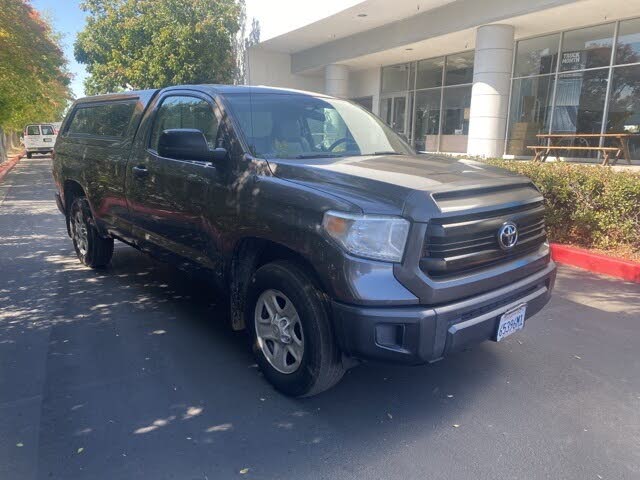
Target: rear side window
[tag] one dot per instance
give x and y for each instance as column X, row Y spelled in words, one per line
column 33, row 130
column 47, row 130
column 102, row 120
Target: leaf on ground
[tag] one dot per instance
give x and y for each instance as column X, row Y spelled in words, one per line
column 81, row 449
column 577, row 357
column 390, row 416
column 244, row 471
column 455, row 425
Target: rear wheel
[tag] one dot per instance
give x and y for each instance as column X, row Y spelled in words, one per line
column 288, row 317
column 93, row 250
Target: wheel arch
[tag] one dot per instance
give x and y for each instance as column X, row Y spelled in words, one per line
column 71, row 190
column 249, row 254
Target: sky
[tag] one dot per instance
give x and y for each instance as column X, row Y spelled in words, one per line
column 275, row 16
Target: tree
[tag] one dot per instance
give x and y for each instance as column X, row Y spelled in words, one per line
column 34, row 81
column 155, row 43
column 243, row 42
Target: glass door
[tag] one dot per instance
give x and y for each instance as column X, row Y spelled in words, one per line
column 393, row 111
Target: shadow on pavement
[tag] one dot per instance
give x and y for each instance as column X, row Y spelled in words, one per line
column 143, row 374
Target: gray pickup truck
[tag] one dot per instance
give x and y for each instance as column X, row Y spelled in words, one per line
column 334, row 240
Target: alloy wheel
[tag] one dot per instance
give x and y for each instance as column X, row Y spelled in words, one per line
column 80, row 232
column 279, row 331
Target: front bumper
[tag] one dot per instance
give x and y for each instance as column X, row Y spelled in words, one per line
column 414, row 335
column 39, row 149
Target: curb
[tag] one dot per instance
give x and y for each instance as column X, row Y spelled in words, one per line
column 8, row 165
column 595, row 262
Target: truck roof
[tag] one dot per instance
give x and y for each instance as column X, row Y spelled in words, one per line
column 212, row 88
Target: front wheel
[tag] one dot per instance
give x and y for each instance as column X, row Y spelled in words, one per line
column 92, row 250
column 289, row 321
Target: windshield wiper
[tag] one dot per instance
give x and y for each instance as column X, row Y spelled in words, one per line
column 317, row 155
column 386, row 153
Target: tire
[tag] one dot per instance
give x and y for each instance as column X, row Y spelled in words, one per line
column 29, row 154
column 320, row 366
column 92, row 250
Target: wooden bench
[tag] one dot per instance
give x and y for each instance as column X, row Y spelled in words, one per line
column 542, row 152
column 554, row 142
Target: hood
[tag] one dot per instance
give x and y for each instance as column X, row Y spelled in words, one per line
column 416, row 186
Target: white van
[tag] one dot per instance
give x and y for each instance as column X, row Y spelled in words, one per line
column 39, row 138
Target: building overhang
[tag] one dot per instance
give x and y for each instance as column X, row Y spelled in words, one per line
column 438, row 27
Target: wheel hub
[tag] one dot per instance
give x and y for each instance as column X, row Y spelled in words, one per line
column 80, row 233
column 279, row 331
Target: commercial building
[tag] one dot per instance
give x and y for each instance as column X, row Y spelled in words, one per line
column 480, row 77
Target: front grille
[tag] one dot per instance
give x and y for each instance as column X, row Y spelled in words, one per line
column 459, row 244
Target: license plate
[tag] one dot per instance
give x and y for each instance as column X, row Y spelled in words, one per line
column 47, row 139
column 511, row 322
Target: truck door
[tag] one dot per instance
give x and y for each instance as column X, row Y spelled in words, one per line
column 168, row 197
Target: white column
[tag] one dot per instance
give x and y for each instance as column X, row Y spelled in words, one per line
column 336, row 80
column 490, row 93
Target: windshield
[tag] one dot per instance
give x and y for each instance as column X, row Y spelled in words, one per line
column 301, row 126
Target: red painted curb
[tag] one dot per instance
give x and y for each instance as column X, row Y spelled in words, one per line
column 8, row 165
column 595, row 262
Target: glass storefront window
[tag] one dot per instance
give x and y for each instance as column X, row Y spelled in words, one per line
column 624, row 105
column 537, row 56
column 430, row 73
column 579, row 106
column 386, row 105
column 628, row 45
column 430, row 100
column 427, row 120
column 587, row 48
column 364, row 102
column 459, row 69
column 530, row 112
column 455, row 119
column 395, row 78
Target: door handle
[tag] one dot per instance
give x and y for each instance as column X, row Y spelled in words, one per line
column 140, row 171
column 193, row 178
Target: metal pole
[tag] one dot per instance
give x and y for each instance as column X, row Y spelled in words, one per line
column 555, row 87
column 605, row 113
column 513, row 69
column 444, row 67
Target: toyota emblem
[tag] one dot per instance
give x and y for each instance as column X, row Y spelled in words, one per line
column 508, row 236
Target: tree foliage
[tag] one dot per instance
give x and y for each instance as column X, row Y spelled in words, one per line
column 244, row 41
column 34, row 82
column 155, row 43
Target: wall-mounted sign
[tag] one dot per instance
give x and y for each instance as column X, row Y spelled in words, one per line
column 573, row 61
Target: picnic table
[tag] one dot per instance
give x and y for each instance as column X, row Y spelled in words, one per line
column 553, row 144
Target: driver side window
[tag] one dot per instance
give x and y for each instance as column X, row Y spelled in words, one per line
column 185, row 112
column 326, row 132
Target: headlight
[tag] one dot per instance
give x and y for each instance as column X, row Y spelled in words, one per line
column 378, row 237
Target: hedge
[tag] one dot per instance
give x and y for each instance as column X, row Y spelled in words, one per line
column 588, row 206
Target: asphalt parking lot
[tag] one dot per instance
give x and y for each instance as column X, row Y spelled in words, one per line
column 131, row 372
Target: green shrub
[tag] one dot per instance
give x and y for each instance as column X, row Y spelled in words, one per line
column 588, row 206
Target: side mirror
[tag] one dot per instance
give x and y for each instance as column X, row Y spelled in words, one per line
column 219, row 155
column 185, row 144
